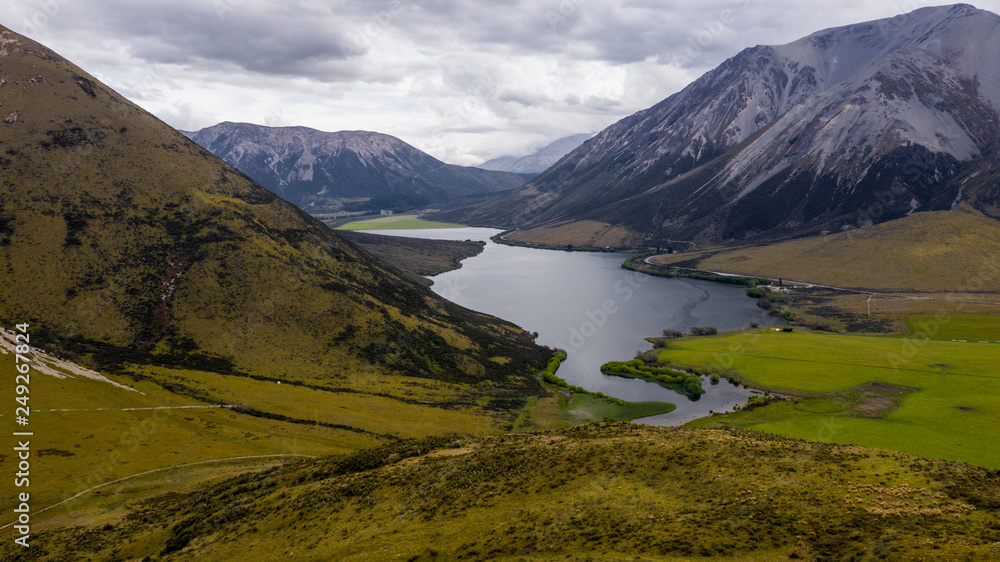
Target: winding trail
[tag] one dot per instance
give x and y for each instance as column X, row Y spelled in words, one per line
column 130, row 409
column 87, row 491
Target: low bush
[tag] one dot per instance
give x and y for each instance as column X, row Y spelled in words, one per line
column 658, row 343
column 549, row 376
column 651, row 357
column 685, row 383
column 704, row 331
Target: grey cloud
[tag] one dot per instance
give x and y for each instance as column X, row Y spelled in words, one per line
column 520, row 97
column 330, row 41
column 602, row 105
column 284, row 39
column 450, row 60
column 616, row 32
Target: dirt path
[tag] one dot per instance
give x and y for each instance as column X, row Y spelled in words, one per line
column 131, row 409
column 67, row 500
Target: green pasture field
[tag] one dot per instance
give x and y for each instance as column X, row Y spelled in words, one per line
column 968, row 327
column 396, row 222
column 936, row 399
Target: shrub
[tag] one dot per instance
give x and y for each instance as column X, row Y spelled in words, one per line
column 651, row 357
column 755, row 292
column 549, row 374
column 672, row 333
column 682, row 382
column 704, row 331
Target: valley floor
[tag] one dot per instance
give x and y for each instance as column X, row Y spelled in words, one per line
column 934, row 398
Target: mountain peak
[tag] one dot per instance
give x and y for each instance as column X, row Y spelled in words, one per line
column 539, row 160
column 792, row 138
column 319, row 170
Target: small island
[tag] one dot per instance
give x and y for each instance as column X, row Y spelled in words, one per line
column 679, row 381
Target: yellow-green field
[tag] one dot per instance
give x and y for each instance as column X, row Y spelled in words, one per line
column 585, row 233
column 396, row 222
column 596, row 492
column 97, row 447
column 88, row 433
column 933, row 398
column 941, row 251
column 968, row 327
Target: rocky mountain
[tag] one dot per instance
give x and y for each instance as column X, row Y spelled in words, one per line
column 846, row 127
column 318, row 170
column 136, row 252
column 539, row 160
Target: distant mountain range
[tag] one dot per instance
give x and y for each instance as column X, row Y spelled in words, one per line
column 847, row 127
column 538, row 161
column 317, row 170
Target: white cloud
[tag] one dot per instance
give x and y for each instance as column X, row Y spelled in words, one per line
column 463, row 80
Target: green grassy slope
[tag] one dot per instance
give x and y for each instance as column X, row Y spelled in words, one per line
column 131, row 250
column 88, row 433
column 605, row 492
column 125, row 241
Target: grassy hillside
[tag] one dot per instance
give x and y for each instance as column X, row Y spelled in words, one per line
column 131, row 250
column 91, row 432
column 605, row 492
column 125, row 242
column 941, row 251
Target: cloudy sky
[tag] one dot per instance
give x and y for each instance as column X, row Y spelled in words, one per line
column 465, row 81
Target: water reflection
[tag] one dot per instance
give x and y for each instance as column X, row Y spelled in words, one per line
column 586, row 304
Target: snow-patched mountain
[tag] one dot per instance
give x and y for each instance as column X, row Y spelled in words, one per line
column 316, row 169
column 539, row 160
column 845, row 127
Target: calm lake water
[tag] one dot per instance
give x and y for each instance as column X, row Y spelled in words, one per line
column 586, row 304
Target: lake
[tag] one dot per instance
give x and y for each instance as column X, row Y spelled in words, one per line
column 586, row 304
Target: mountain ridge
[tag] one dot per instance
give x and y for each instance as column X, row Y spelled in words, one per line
column 539, row 160
column 791, row 140
column 318, row 170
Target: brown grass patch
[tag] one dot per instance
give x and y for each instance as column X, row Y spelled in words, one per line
column 939, row 251
column 876, row 400
column 584, row 233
